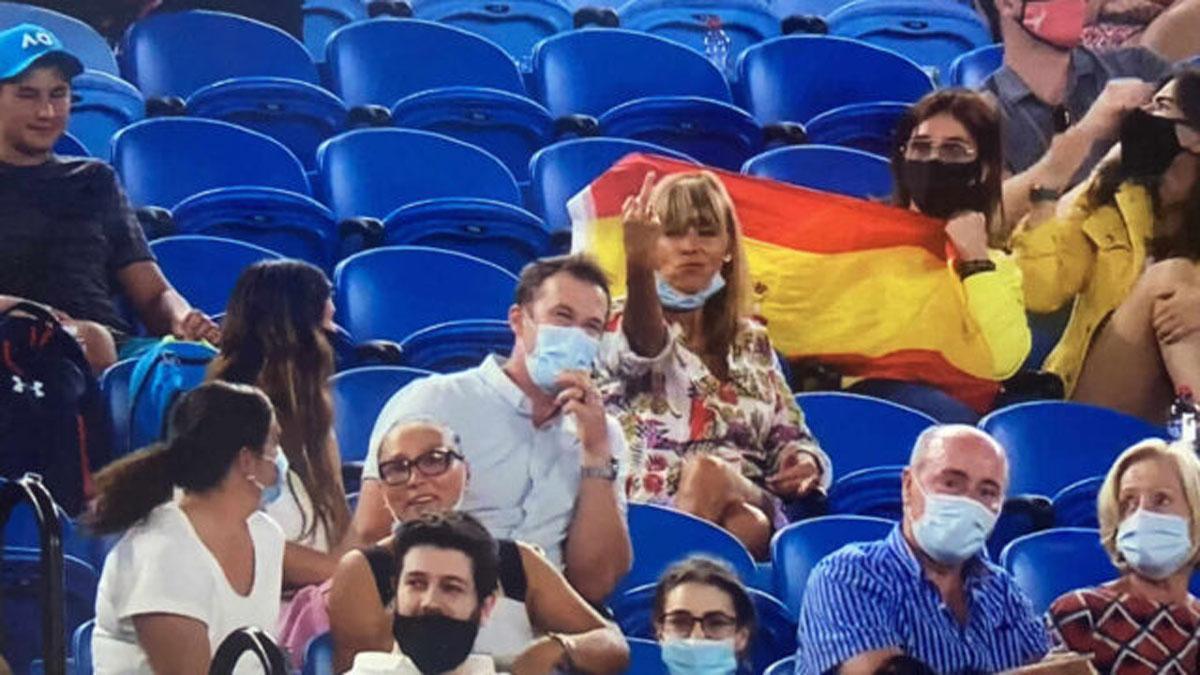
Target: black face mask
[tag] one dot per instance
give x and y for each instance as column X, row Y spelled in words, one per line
column 1148, row 144
column 943, row 189
column 435, row 643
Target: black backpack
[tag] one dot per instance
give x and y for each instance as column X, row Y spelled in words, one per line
column 53, row 420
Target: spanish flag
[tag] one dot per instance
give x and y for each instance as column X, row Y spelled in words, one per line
column 863, row 287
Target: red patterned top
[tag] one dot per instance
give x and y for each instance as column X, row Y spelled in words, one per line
column 1127, row 634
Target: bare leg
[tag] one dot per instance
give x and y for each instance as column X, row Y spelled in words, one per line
column 97, row 343
column 1127, row 368
column 713, row 489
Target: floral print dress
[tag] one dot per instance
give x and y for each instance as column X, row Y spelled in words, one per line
column 671, row 406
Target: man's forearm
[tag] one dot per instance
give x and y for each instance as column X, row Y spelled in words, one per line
column 598, row 552
column 164, row 311
column 602, row 650
column 1175, row 34
column 1054, row 170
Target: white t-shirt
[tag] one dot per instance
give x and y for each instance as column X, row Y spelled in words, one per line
column 161, row 566
column 290, row 510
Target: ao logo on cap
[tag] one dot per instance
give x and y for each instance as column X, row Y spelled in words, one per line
column 35, row 39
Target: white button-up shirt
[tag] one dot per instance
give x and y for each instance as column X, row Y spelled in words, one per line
column 524, row 480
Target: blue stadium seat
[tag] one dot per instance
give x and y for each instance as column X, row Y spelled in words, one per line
column 81, row 39
column 114, row 383
column 381, row 61
column 782, row 667
column 81, row 647
column 297, row 114
column 797, row 548
column 205, row 269
column 654, row 553
column 456, row 345
column 746, row 22
column 359, row 394
column 870, row 127
column 508, row 125
column 561, row 170
column 497, row 232
column 860, row 432
column 101, row 105
column 931, row 32
column 1076, row 505
column 323, row 17
column 177, row 53
column 515, row 25
column 1083, row 441
column 318, row 655
column 971, row 69
column 645, row 657
column 788, row 79
column 1047, row 564
column 775, row 638
column 825, row 167
column 20, row 587
column 372, row 172
column 388, row 293
column 715, row 133
column 874, row 491
column 164, row 160
column 21, row 531
column 588, row 72
column 69, row 146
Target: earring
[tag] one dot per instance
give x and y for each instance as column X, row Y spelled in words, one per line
column 728, row 257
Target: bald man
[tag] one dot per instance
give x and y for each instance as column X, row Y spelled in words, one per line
column 926, row 591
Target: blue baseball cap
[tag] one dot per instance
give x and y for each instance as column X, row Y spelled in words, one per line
column 23, row 46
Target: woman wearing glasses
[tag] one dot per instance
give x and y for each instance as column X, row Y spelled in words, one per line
column 1123, row 249
column 539, row 623
column 703, row 617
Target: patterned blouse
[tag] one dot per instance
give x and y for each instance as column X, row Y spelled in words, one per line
column 670, row 405
column 1126, row 634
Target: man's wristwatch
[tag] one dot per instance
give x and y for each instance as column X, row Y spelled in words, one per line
column 608, row 473
column 1041, row 193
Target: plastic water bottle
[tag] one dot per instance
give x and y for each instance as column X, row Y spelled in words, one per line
column 716, row 44
column 1182, row 423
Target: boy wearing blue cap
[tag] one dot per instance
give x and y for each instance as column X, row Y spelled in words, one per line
column 68, row 238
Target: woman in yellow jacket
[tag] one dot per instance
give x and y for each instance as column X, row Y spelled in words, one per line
column 1124, row 248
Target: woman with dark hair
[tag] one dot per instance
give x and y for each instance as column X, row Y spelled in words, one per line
column 188, row 571
column 948, row 164
column 1123, row 249
column 703, row 617
column 274, row 337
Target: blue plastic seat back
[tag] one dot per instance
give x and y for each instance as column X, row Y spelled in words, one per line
column 205, row 269
column 874, row 491
column 163, row 161
column 359, row 395
column 931, row 32
column 797, row 548
column 1047, row 564
column 101, row 105
column 81, row 647
column 299, row 115
column 389, row 293
column 1076, row 504
column 827, row 168
column 500, row 233
column 970, row 70
column 79, row 38
column 21, row 531
column 587, row 72
column 21, row 589
column 114, row 383
column 654, row 553
column 318, row 656
column 560, row 171
column 508, row 125
column 715, row 133
column 782, row 667
column 69, row 146
column 745, row 22
column 870, row 127
column 456, row 345
column 383, row 60
column 859, row 432
column 372, row 172
column 323, row 17
column 789, row 79
column 514, row 25
column 645, row 657
column 1052, row 444
column 176, row 53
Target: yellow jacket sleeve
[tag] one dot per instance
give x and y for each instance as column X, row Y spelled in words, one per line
column 1055, row 259
column 995, row 302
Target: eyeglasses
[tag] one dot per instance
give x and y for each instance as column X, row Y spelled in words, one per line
column 953, row 152
column 435, row 462
column 716, row 625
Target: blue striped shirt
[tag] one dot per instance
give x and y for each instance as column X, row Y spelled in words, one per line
column 874, row 596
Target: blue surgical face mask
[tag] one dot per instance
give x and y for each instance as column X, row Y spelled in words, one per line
column 273, row 491
column 953, row 528
column 675, row 299
column 699, row 657
column 1156, row 545
column 559, row 349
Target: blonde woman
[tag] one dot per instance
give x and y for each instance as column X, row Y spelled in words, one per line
column 711, row 424
column 1145, row 620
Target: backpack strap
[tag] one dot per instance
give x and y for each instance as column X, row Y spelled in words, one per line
column 512, row 571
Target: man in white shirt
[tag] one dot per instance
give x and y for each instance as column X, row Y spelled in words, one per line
column 545, row 458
